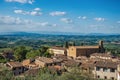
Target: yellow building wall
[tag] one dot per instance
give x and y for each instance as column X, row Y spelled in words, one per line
column 72, row 52
column 40, row 63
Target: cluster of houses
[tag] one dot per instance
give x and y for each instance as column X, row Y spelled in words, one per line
column 91, row 59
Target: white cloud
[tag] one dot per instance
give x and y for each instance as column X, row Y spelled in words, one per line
column 35, row 12
column 43, row 24
column 9, row 23
column 66, row 20
column 21, row 12
column 30, row 1
column 82, row 17
column 99, row 19
column 21, row 1
column 118, row 22
column 8, row 20
column 37, row 9
column 97, row 25
column 46, row 24
column 79, row 17
column 57, row 13
column 54, row 25
column 18, row 11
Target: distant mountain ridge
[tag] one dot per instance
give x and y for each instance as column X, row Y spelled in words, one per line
column 55, row 33
column 14, row 33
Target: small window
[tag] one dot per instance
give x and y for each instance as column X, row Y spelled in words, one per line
column 14, row 68
column 112, row 78
column 105, row 77
column 98, row 76
column 55, row 63
column 97, row 68
column 47, row 65
column 50, row 64
column 105, row 69
column 112, row 70
column 19, row 67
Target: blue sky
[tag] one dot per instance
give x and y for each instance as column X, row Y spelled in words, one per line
column 77, row 16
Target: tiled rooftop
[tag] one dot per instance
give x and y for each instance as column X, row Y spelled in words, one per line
column 82, row 47
column 101, row 54
column 45, row 60
column 15, row 64
column 60, row 48
column 108, row 64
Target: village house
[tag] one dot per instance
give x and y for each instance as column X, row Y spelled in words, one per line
column 104, row 56
column 75, row 51
column 106, row 70
column 58, row 50
column 8, row 55
column 60, row 57
column 45, row 62
column 118, row 76
column 30, row 64
column 56, row 69
column 101, row 56
column 81, row 58
column 16, row 67
column 87, row 66
column 70, row 64
column 31, row 72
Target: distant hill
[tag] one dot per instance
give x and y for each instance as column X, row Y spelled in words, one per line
column 53, row 33
column 19, row 33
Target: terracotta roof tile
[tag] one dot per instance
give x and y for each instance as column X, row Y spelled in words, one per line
column 45, row 60
column 60, row 48
column 101, row 54
column 84, row 47
column 15, row 64
column 108, row 64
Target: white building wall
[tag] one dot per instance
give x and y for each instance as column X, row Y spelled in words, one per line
column 118, row 76
column 57, row 51
column 102, row 74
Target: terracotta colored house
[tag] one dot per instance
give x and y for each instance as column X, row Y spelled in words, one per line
column 30, row 64
column 45, row 62
column 16, row 67
column 101, row 56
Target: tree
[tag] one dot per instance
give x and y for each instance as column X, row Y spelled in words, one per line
column 47, row 54
column 82, row 44
column 44, row 51
column 75, row 74
column 66, row 44
column 20, row 53
column 32, row 54
column 2, row 59
column 73, row 43
column 6, row 75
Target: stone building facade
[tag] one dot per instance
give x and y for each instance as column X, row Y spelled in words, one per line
column 75, row 51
